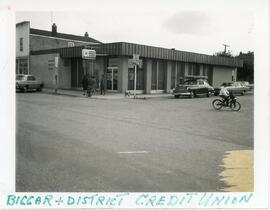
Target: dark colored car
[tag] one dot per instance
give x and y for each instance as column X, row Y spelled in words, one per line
column 25, row 82
column 233, row 87
column 193, row 88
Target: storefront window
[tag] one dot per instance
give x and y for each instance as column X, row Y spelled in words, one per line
column 139, row 80
column 154, row 75
column 21, row 44
column 162, row 66
column 180, row 72
column 22, row 66
column 197, row 70
column 158, row 75
column 205, row 70
column 173, row 75
column 190, row 69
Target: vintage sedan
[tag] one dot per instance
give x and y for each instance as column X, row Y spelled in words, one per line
column 233, row 87
column 247, row 84
column 25, row 82
column 193, row 88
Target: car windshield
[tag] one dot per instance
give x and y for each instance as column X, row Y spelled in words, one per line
column 20, row 77
column 190, row 82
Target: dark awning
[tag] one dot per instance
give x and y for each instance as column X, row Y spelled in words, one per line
column 128, row 49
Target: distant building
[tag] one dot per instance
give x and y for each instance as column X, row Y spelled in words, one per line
column 161, row 70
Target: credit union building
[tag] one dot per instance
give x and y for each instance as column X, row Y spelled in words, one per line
column 160, row 71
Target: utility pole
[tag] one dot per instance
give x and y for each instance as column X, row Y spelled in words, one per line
column 51, row 14
column 225, row 45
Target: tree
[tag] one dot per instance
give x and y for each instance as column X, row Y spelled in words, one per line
column 227, row 54
column 246, row 73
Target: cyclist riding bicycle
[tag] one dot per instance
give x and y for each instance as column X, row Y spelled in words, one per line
column 225, row 94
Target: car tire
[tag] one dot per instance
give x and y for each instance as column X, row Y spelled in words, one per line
column 209, row 94
column 39, row 89
column 25, row 89
column 192, row 94
column 176, row 96
column 243, row 93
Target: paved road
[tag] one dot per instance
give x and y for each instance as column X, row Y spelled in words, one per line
column 161, row 144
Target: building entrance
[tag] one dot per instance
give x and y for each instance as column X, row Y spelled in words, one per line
column 112, row 78
column 76, row 73
column 159, row 69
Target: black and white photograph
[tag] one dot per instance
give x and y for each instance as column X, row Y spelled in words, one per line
column 135, row 96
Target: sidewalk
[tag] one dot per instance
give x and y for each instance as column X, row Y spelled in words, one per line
column 108, row 96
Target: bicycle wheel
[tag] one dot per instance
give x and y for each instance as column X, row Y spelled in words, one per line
column 235, row 106
column 217, row 104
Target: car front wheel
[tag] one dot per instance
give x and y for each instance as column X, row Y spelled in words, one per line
column 39, row 89
column 25, row 89
column 192, row 94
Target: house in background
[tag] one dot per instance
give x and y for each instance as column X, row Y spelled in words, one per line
column 161, row 70
column 30, row 39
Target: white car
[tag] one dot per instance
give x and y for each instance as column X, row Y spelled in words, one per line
column 25, row 82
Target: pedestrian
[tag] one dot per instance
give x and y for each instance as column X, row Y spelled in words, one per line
column 102, row 85
column 91, row 86
column 225, row 94
column 84, row 84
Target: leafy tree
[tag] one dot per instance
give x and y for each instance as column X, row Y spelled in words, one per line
column 224, row 54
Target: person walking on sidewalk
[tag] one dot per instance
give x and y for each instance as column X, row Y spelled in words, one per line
column 85, row 84
column 102, row 85
column 91, row 86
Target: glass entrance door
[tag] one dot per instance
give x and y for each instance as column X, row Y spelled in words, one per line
column 112, row 78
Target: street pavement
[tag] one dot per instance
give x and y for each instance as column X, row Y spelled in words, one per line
column 75, row 144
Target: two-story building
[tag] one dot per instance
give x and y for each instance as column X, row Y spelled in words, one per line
column 30, row 39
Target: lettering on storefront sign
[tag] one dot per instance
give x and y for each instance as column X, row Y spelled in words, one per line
column 51, row 64
column 132, row 63
column 88, row 54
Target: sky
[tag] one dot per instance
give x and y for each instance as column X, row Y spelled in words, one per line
column 183, row 25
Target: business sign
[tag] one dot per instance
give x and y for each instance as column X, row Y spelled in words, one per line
column 56, row 61
column 132, row 63
column 136, row 57
column 88, row 54
column 51, row 64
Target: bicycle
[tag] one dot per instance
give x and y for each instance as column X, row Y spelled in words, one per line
column 232, row 103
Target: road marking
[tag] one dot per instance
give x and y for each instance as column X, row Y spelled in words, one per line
column 238, row 171
column 133, row 152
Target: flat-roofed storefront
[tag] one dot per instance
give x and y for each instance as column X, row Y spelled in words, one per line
column 161, row 70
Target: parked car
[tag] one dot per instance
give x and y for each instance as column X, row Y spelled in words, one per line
column 247, row 84
column 233, row 87
column 25, row 82
column 193, row 88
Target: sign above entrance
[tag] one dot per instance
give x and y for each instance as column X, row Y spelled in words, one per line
column 132, row 63
column 136, row 57
column 51, row 64
column 88, row 54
